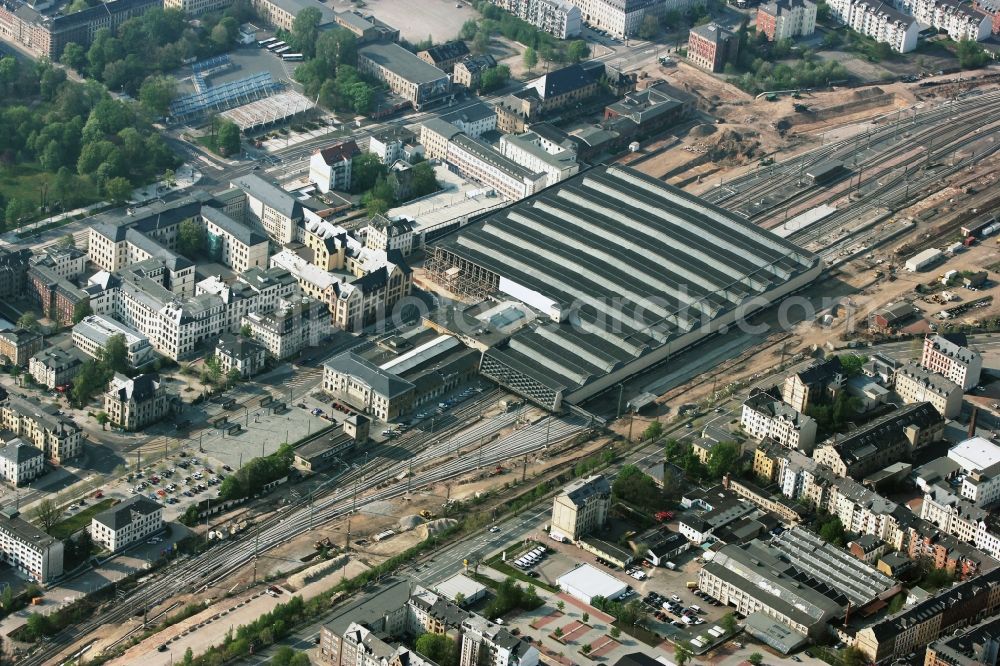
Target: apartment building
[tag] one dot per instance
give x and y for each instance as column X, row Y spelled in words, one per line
column 13, row 267
column 366, row 28
column 296, row 323
column 55, row 366
column 978, row 462
column 915, row 383
column 976, row 645
column 622, row 18
column 367, row 387
column 387, row 235
column 92, row 333
column 475, row 119
column 816, row 384
column 711, row 46
column 992, row 9
column 388, row 144
column 232, row 243
column 117, row 241
column 900, row 634
column 878, row 20
column 566, row 86
column 532, row 152
column 650, row 110
column 560, row 18
column 413, row 79
column 20, row 344
column 20, row 462
column 127, row 523
column 581, row 507
column 57, row 435
column 270, row 208
column 478, row 161
column 786, row 19
column 949, row 356
column 881, row 442
column 57, row 297
column 135, row 403
column 29, row 550
column 281, row 13
column 67, row 263
column 358, row 284
column 959, row 20
column 330, row 167
column 468, row 72
column 43, row 31
column 444, row 56
column 765, row 416
column 195, row 8
column 245, row 355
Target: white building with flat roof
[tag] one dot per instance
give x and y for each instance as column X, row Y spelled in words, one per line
column 975, row 453
column 92, row 333
column 586, row 582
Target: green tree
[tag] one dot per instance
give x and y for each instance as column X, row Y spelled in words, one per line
column 481, row 42
column 971, row 55
column 227, row 141
column 192, row 239
column 28, row 320
column 585, row 618
column 424, row 180
column 756, row 659
column 649, row 28
column 47, row 514
column 634, row 486
column 653, row 430
column 113, row 357
column 585, row 648
column 102, row 418
column 852, row 656
column 169, row 178
column 577, row 50
column 833, row 531
column 245, row 331
column 723, row 459
column 558, row 632
column 74, row 56
column 80, row 310
column 188, row 658
column 305, row 31
column 493, row 78
column 18, row 212
column 67, row 240
column 615, row 632
column 896, row 604
column 39, row 625
column 729, row 623
column 530, row 59
column 561, row 605
column 118, row 190
column 157, row 92
column 366, row 169
column 468, row 31
column 7, row 598
column 682, row 654
column 439, row 648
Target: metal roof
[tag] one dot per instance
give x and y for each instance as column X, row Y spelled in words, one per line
column 402, row 63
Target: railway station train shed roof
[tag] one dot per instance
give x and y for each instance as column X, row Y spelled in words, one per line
column 625, row 271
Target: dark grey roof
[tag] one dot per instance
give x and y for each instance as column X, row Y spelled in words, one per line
column 402, row 63
column 567, row 80
column 665, row 258
column 382, row 382
column 238, row 347
column 447, row 51
column 57, row 358
column 18, row 451
column 779, row 7
column 713, row 32
column 121, row 515
column 442, row 127
column 158, row 215
column 171, row 259
column 581, row 491
column 20, row 336
column 139, row 389
column 238, row 230
column 268, row 192
column 372, row 608
column 470, row 114
column 477, row 63
column 885, row 431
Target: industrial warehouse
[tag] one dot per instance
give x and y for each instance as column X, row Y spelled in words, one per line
column 624, row 270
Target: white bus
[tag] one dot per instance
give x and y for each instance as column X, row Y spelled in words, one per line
column 274, row 46
column 266, row 42
column 292, row 57
column 283, row 50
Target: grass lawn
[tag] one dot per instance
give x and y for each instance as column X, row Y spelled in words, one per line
column 65, row 528
column 508, row 570
column 208, row 143
column 25, row 181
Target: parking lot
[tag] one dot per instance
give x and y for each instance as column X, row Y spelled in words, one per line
column 177, row 482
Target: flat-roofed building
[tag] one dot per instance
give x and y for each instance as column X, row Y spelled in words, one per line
column 366, row 28
column 581, row 507
column 282, row 13
column 92, row 333
column 135, row 403
column 711, row 46
column 233, row 243
column 127, row 523
column 656, row 107
column 408, row 76
column 29, row 550
column 474, row 119
column 880, row 21
column 622, row 18
column 20, row 462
